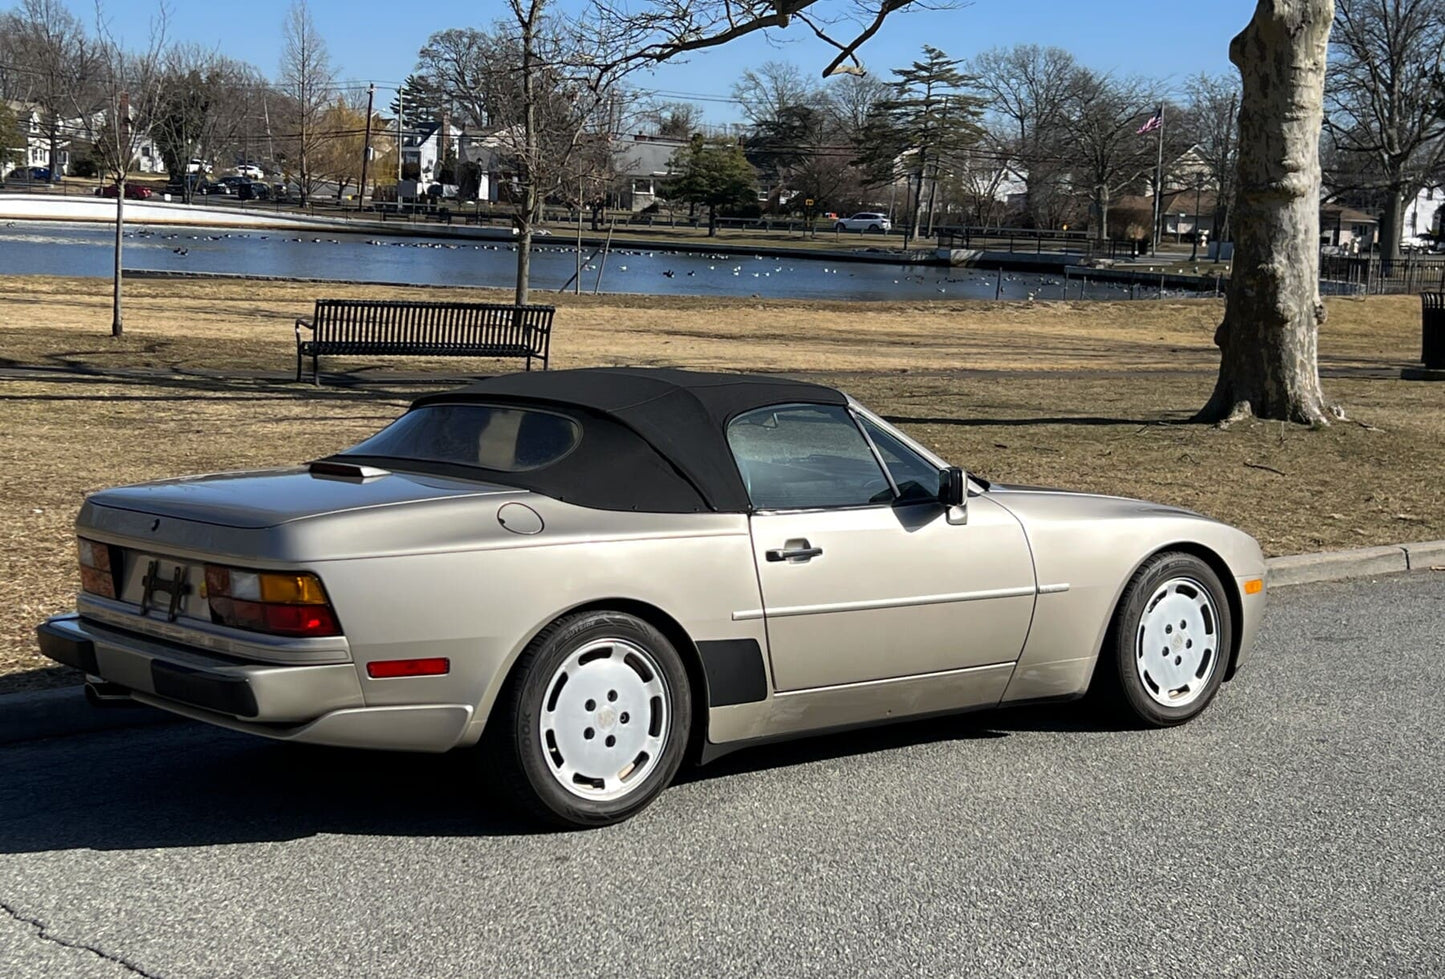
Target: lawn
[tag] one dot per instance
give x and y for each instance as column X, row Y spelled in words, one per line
column 1092, row 396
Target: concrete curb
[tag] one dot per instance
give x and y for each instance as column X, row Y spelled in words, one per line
column 57, row 713
column 1364, row 562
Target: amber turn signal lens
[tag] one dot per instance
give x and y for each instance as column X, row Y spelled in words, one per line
column 291, row 589
column 1254, row 586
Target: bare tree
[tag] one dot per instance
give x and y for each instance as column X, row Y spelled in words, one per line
column 461, row 68
column 659, row 30
column 1385, row 102
column 52, row 64
column 1102, row 118
column 308, row 79
column 850, row 99
column 674, row 120
column 1268, row 341
column 1028, row 89
column 1212, row 122
column 547, row 94
column 132, row 90
column 775, row 88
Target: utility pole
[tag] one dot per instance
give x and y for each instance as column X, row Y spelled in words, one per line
column 1198, row 187
column 366, row 149
column 400, row 111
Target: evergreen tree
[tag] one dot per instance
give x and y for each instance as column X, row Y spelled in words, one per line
column 927, row 124
column 712, row 173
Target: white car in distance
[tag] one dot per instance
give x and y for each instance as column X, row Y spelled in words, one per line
column 865, row 221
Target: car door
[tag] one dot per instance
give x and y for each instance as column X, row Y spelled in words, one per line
column 863, row 576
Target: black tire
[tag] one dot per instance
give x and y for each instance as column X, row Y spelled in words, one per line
column 840, row 226
column 874, row 228
column 1123, row 679
column 523, row 764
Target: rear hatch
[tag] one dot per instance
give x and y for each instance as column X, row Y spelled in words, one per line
column 267, row 498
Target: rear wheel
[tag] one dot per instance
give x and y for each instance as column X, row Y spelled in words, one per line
column 1170, row 642
column 874, row 228
column 595, row 724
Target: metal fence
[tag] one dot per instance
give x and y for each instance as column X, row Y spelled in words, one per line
column 1036, row 241
column 1375, row 276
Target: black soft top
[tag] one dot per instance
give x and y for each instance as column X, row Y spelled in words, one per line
column 678, row 458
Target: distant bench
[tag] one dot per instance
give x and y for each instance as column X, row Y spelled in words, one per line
column 420, row 329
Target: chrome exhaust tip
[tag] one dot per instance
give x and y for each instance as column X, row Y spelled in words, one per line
column 102, row 694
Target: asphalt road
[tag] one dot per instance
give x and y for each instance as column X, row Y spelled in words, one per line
column 1294, row 830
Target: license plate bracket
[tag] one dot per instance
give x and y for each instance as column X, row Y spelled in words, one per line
column 174, row 587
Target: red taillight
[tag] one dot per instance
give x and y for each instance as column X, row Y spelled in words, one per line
column 288, row 603
column 300, row 620
column 387, row 668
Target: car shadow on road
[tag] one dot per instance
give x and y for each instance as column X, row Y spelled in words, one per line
column 979, row 726
column 185, row 785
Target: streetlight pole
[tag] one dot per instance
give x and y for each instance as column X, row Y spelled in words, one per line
column 366, row 150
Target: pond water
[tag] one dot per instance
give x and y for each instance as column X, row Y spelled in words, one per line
column 43, row 248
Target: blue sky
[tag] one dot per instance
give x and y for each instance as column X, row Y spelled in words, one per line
column 378, row 42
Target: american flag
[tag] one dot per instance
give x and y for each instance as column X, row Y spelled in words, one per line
column 1156, row 121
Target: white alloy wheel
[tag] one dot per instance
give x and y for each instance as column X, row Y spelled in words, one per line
column 1177, row 650
column 605, row 721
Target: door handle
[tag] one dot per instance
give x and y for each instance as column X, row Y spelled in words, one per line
column 794, row 550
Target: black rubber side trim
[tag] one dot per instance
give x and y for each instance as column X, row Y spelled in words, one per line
column 735, row 671
column 222, row 694
column 65, row 648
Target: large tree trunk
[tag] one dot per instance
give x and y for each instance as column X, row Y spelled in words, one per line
column 1268, row 340
column 530, row 157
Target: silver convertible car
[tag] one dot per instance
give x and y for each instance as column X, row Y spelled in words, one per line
column 595, row 574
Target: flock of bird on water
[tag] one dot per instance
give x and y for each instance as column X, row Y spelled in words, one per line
column 1034, row 283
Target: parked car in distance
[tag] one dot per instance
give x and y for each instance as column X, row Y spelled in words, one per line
column 594, row 573
column 231, row 183
column 198, row 166
column 31, row 174
column 133, row 191
column 253, row 190
column 250, row 171
column 195, row 183
column 865, row 221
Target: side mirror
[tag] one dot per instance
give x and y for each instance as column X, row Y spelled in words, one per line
column 952, row 487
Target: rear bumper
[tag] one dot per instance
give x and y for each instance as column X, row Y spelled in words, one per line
column 319, row 704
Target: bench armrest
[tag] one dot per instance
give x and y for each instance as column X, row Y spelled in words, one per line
column 300, row 322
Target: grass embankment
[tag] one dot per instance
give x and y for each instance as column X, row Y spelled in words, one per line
column 1092, row 396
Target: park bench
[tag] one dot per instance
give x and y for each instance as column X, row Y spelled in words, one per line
column 423, row 329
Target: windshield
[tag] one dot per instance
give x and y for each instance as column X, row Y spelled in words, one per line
column 484, row 436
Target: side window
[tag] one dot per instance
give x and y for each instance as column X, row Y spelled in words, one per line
column 795, row 457
column 917, row 478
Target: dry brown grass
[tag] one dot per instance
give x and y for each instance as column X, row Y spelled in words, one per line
column 1091, row 396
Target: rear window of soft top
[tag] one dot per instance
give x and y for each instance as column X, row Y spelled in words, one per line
column 496, row 437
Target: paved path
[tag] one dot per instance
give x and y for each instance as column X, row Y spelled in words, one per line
column 1296, row 829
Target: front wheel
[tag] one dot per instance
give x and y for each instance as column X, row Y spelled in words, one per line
column 1170, row 642
column 596, row 722
column 840, row 226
